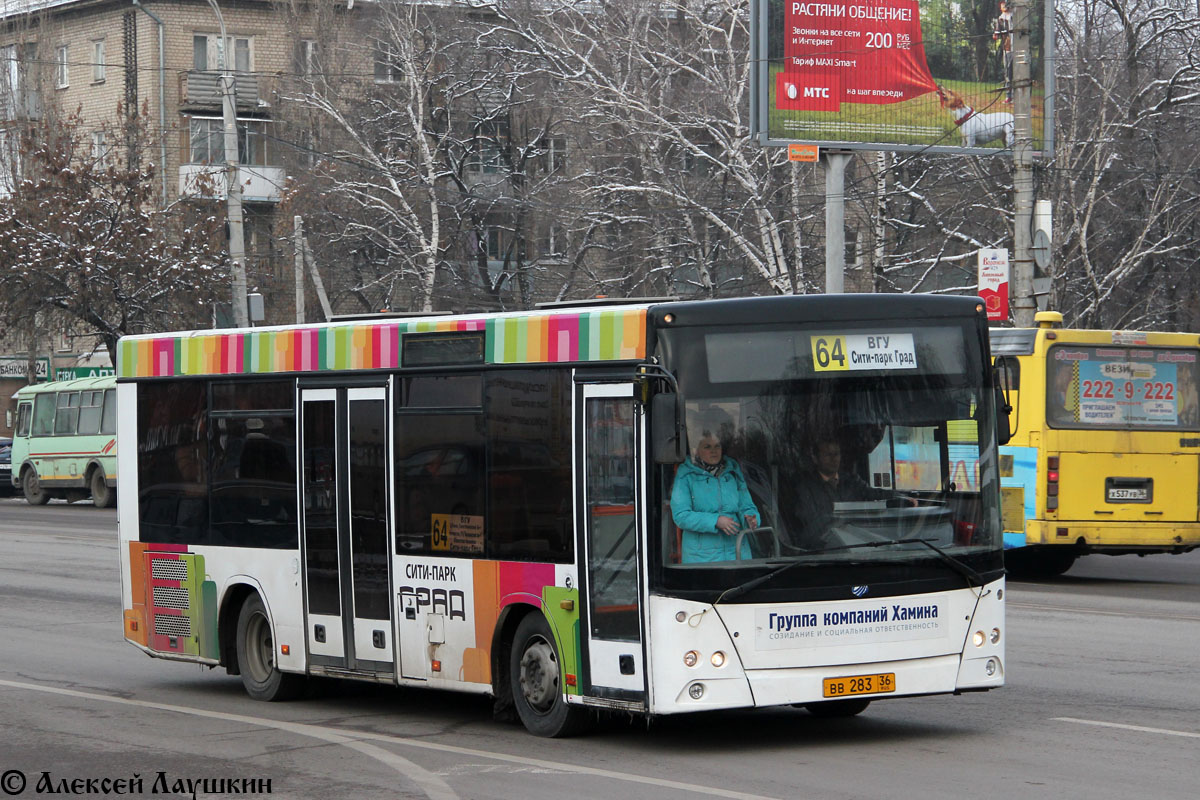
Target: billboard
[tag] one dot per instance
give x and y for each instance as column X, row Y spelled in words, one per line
column 930, row 75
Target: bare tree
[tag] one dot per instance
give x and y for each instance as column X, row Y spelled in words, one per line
column 1124, row 178
column 83, row 236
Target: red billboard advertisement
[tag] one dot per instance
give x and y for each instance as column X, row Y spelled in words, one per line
column 893, row 74
column 835, row 53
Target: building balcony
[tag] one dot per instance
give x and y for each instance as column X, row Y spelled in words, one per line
column 207, row 182
column 202, row 89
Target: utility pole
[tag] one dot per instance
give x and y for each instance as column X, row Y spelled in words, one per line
column 1023, row 302
column 835, row 221
column 233, row 187
column 298, row 221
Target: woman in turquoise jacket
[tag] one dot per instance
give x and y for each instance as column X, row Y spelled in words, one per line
column 710, row 503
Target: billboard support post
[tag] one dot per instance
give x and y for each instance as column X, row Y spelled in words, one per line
column 1023, row 301
column 835, row 221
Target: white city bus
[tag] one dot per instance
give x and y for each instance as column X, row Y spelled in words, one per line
column 483, row 503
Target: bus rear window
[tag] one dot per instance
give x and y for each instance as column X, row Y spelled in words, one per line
column 1122, row 388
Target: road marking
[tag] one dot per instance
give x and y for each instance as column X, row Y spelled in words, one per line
column 1100, row 613
column 434, row 786
column 1121, row 726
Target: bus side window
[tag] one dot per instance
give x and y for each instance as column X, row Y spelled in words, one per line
column 89, row 412
column 24, row 415
column 108, row 421
column 66, row 420
column 43, row 414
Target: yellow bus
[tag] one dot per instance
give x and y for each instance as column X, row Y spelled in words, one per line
column 1105, row 452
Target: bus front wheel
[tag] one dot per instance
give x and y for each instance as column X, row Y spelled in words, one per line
column 535, row 672
column 35, row 495
column 256, row 656
column 102, row 495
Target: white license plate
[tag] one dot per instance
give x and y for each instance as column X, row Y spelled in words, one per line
column 1127, row 494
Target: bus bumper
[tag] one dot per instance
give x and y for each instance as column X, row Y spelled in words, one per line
column 1148, row 537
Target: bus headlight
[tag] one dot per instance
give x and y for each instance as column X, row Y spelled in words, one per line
column 718, row 659
column 995, row 637
column 979, row 638
column 691, row 658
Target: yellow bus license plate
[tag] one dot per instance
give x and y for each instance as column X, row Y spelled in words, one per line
column 849, row 686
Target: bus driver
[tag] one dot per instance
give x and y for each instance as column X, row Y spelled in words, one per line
column 710, row 503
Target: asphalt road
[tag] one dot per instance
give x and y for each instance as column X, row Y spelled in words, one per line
column 1100, row 703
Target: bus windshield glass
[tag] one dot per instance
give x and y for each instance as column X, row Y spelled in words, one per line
column 829, row 446
column 1125, row 388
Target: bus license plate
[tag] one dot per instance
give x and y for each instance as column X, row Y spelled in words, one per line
column 1126, row 494
column 851, row 685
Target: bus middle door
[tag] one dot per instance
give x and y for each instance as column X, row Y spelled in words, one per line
column 344, row 442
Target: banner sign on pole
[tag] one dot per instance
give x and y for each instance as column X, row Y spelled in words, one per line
column 993, row 282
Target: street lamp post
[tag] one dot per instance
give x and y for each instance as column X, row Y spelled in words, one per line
column 233, row 187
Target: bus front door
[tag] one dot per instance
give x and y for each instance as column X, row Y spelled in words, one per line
column 344, row 440
column 612, row 620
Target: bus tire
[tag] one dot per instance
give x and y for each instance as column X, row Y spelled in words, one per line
column 102, row 494
column 536, row 677
column 1039, row 562
column 31, row 485
column 835, row 709
column 256, row 656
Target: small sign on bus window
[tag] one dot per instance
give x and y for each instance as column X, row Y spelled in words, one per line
column 456, row 533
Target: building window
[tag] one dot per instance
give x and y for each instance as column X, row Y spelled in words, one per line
column 62, row 77
column 207, row 141
column 555, row 243
column 556, row 154
column 207, row 52
column 100, row 152
column 98, row 61
column 492, row 238
column 306, row 59
column 387, row 64
column 487, row 155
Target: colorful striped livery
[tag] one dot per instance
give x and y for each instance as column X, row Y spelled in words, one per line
column 520, row 338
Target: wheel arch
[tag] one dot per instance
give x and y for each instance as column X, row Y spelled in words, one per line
column 93, row 465
column 237, row 592
column 502, row 639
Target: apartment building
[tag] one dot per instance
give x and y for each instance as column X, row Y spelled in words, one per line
column 162, row 59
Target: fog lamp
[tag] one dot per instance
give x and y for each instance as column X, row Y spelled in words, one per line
column 979, row 638
column 718, row 659
column 995, row 637
column 696, row 691
column 990, row 667
column 691, row 658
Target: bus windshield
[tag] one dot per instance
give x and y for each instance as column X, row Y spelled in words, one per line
column 1127, row 388
column 829, row 446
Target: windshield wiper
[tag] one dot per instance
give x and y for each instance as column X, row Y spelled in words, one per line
column 958, row 566
column 972, row 577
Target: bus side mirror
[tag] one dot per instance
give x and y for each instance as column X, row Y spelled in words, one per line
column 1001, row 380
column 668, row 440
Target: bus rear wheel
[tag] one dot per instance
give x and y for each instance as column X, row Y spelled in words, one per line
column 535, row 672
column 834, row 709
column 35, row 495
column 256, row 656
column 102, row 495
